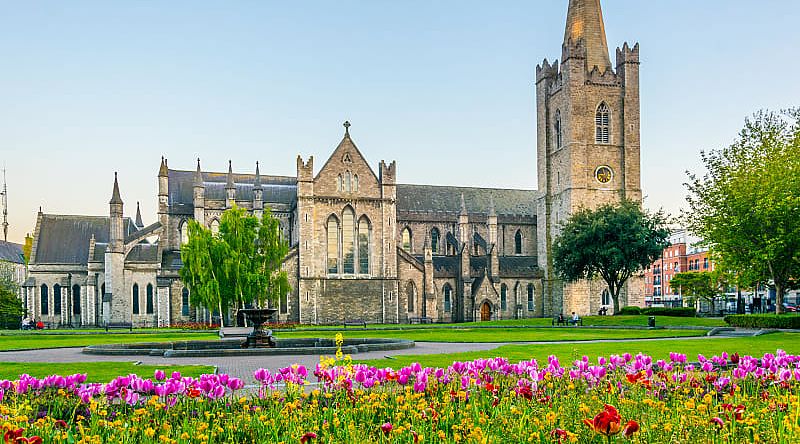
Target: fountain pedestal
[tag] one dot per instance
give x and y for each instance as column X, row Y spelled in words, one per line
column 259, row 337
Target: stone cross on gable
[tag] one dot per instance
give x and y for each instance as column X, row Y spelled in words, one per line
column 347, row 126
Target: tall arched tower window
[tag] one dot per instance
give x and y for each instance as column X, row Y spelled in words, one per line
column 363, row 245
column 407, row 239
column 149, row 299
column 518, row 242
column 557, row 130
column 602, row 121
column 136, row 299
column 333, row 245
column 435, row 241
column 348, row 241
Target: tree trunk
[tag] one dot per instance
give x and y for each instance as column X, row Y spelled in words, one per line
column 221, row 322
column 778, row 298
column 615, row 298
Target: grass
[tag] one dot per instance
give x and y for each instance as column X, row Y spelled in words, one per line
column 500, row 334
column 95, row 371
column 44, row 340
column 754, row 346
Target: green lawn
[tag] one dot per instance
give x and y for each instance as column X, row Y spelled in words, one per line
column 463, row 334
column 44, row 340
column 567, row 352
column 95, row 371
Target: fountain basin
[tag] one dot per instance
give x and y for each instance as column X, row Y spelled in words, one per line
column 233, row 347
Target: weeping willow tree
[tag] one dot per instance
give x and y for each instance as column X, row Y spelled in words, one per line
column 240, row 265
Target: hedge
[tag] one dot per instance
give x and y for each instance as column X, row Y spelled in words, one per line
column 764, row 321
column 630, row 311
column 681, row 312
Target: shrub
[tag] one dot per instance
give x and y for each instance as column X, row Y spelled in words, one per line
column 681, row 312
column 630, row 311
column 763, row 321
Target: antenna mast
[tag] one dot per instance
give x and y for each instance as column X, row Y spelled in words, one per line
column 4, row 195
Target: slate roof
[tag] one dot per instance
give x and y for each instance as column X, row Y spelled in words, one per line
column 11, row 252
column 64, row 239
column 143, row 253
column 276, row 189
column 171, row 260
column 447, row 199
column 520, row 266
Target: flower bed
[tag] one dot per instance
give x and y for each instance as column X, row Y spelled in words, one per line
column 620, row 398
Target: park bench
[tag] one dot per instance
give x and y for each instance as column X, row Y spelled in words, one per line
column 557, row 321
column 354, row 323
column 119, row 325
column 420, row 320
column 577, row 322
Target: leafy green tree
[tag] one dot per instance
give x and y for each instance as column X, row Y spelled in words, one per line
column 240, row 265
column 11, row 310
column 613, row 241
column 700, row 285
column 747, row 206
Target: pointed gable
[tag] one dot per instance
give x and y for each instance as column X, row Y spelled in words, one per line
column 585, row 27
column 347, row 172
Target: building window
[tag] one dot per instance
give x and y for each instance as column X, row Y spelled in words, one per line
column 530, row 297
column 557, row 130
column 339, row 183
column 410, row 293
column 184, row 232
column 76, row 299
column 602, row 120
column 407, row 239
column 518, row 242
column 333, row 245
column 435, row 241
column 185, row 302
column 348, row 241
column 705, row 263
column 605, row 297
column 347, row 183
column 363, row 245
column 56, row 299
column 44, row 299
column 355, row 182
column 503, row 297
column 149, row 299
column 284, row 303
column 447, row 296
column 135, row 299
column 214, row 226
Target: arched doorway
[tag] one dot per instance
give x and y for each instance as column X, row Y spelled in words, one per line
column 486, row 311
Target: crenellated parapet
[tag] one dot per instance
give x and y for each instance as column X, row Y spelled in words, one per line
column 547, row 72
column 627, row 55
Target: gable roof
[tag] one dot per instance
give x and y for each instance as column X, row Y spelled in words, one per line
column 447, row 200
column 64, row 239
column 345, row 144
column 11, row 252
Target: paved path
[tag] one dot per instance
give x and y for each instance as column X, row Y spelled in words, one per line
column 243, row 366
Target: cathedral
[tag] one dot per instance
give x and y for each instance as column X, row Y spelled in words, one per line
column 364, row 245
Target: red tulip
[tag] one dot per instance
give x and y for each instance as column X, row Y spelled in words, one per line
column 630, row 428
column 308, row 436
column 606, row 423
column 12, row 435
column 718, row 421
column 386, row 427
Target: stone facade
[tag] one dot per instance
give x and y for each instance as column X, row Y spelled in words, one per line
column 365, row 246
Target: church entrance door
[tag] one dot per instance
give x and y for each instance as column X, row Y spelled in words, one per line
column 486, row 312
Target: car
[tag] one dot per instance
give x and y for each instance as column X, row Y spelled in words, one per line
column 790, row 307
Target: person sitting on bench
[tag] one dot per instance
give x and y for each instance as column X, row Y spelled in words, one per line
column 575, row 319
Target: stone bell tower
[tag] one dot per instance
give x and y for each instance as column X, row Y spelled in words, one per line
column 587, row 145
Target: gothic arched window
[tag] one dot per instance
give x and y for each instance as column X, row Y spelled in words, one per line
column 518, row 242
column 347, row 182
column 355, row 182
column 363, row 245
column 185, row 302
column 333, row 245
column 503, row 297
column 530, row 297
column 407, row 239
column 447, row 291
column 606, row 297
column 435, row 241
column 411, row 296
column 76, row 299
column 557, row 130
column 602, row 122
column 136, row 299
column 43, row 300
column 149, row 299
column 339, row 183
column 56, row 299
column 184, row 231
column 214, row 226
column 348, row 241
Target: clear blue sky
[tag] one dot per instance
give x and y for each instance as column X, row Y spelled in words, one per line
column 446, row 88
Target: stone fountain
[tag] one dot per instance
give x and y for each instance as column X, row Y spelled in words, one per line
column 259, row 337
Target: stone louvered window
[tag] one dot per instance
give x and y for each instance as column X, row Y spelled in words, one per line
column 333, row 245
column 363, row 245
column 557, row 129
column 435, row 241
column 136, row 299
column 602, row 121
column 348, row 241
column 530, row 297
column 149, row 299
column 44, row 299
column 503, row 297
column 407, row 239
